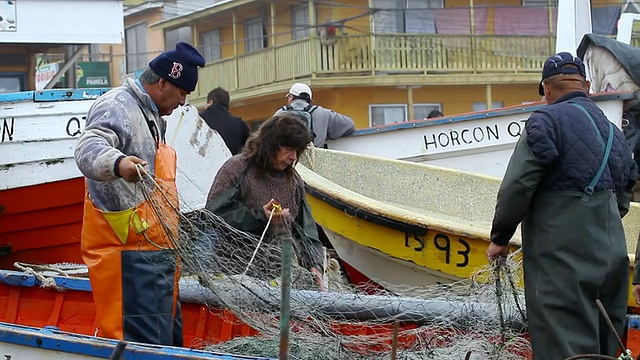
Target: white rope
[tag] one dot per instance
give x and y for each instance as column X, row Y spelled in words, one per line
column 273, row 210
column 45, row 282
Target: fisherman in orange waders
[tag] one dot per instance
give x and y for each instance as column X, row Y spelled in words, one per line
column 125, row 243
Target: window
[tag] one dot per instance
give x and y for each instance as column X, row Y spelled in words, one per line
column 387, row 114
column 299, row 22
column 479, row 106
column 12, row 82
column 135, row 38
column 255, row 34
column 174, row 36
column 210, row 45
column 539, row 3
column 405, row 16
column 421, row 111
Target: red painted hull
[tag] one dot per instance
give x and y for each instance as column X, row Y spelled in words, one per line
column 41, row 223
column 74, row 311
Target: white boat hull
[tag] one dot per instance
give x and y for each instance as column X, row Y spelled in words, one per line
column 38, row 132
column 393, row 274
column 39, row 137
column 480, row 142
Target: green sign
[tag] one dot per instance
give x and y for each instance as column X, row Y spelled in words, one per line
column 92, row 74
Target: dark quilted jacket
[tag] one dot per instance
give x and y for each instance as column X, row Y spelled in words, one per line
column 563, row 139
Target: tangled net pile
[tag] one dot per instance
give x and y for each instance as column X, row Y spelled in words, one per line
column 479, row 318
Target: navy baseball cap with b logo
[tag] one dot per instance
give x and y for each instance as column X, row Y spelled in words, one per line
column 557, row 64
column 179, row 66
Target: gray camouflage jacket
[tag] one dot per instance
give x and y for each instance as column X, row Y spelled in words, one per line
column 115, row 127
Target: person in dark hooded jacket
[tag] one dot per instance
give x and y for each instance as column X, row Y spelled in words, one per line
column 569, row 182
column 234, row 130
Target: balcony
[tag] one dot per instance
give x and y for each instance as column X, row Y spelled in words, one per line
column 363, row 59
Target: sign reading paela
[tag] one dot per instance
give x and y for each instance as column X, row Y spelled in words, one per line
column 89, row 74
column 93, row 74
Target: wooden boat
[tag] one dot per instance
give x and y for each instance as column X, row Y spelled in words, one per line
column 63, row 305
column 401, row 223
column 42, row 190
column 479, row 142
column 67, row 305
column 38, row 130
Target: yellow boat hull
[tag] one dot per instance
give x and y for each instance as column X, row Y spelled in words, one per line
column 400, row 240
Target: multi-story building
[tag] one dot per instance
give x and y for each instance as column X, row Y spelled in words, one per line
column 381, row 61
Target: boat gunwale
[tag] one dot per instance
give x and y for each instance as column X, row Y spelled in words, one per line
column 360, row 203
column 51, row 95
column 50, row 338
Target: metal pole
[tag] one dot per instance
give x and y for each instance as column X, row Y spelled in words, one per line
column 67, row 65
column 117, row 352
column 285, row 301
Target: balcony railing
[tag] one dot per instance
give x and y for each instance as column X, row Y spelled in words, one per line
column 379, row 54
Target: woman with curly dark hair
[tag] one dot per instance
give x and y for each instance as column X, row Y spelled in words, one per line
column 249, row 185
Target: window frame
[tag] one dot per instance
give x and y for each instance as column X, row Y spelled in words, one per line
column 250, row 43
column 405, row 10
column 21, row 76
column 372, row 106
column 138, row 58
column 305, row 29
column 539, row 3
column 210, row 51
column 170, row 45
column 438, row 105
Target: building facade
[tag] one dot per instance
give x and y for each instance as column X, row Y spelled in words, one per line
column 380, row 61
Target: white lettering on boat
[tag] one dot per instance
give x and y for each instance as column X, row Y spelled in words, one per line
column 7, row 129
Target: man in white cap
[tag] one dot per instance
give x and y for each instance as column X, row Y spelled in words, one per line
column 323, row 123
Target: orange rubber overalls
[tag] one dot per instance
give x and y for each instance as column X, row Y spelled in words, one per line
column 135, row 282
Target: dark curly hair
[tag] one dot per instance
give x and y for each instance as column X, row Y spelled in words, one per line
column 277, row 131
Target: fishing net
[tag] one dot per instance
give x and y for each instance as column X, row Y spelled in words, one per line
column 263, row 280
